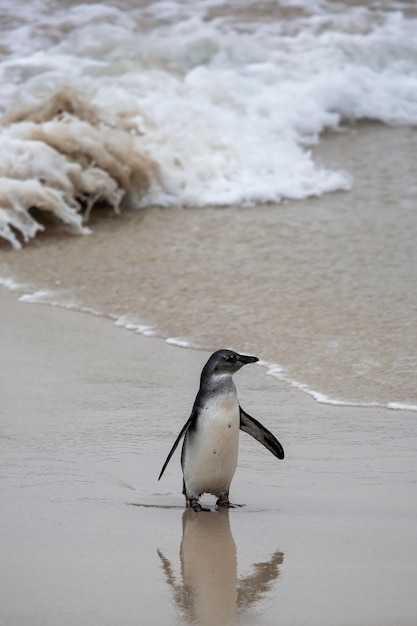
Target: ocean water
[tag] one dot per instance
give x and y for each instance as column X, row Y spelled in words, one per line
column 270, row 149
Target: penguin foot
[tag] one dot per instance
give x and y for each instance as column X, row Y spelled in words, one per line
column 195, row 505
column 223, row 502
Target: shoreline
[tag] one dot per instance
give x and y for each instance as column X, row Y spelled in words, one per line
column 26, row 294
column 88, row 416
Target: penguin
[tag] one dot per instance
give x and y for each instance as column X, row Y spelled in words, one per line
column 211, row 433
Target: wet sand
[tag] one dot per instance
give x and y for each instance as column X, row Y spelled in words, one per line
column 88, row 535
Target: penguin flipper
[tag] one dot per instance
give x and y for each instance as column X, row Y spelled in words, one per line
column 255, row 429
column 178, row 439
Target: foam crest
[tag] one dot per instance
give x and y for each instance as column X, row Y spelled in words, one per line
column 60, row 158
column 38, row 297
column 125, row 321
column 180, row 342
column 277, row 371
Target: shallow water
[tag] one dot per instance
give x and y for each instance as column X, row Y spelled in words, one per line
column 324, row 287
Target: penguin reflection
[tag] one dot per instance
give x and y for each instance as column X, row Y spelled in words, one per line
column 210, row 592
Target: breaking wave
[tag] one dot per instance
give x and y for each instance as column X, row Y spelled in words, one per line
column 61, row 158
column 174, row 104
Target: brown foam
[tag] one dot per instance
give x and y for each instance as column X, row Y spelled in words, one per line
column 68, row 160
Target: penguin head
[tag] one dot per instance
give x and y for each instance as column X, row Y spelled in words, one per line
column 226, row 362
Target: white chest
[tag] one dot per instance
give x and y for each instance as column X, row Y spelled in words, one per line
column 210, row 454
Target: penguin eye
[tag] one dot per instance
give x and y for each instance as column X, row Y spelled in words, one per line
column 231, row 358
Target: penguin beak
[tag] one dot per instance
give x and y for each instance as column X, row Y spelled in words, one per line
column 243, row 358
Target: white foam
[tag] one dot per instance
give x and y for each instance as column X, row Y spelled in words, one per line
column 226, row 109
column 46, row 296
column 128, row 323
column 10, row 283
column 42, row 296
column 402, row 406
column 273, row 369
column 180, row 342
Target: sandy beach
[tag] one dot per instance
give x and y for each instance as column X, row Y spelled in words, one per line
column 88, row 535
column 175, row 178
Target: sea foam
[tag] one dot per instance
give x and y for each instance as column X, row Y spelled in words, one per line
column 277, row 371
column 177, row 105
column 60, row 159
